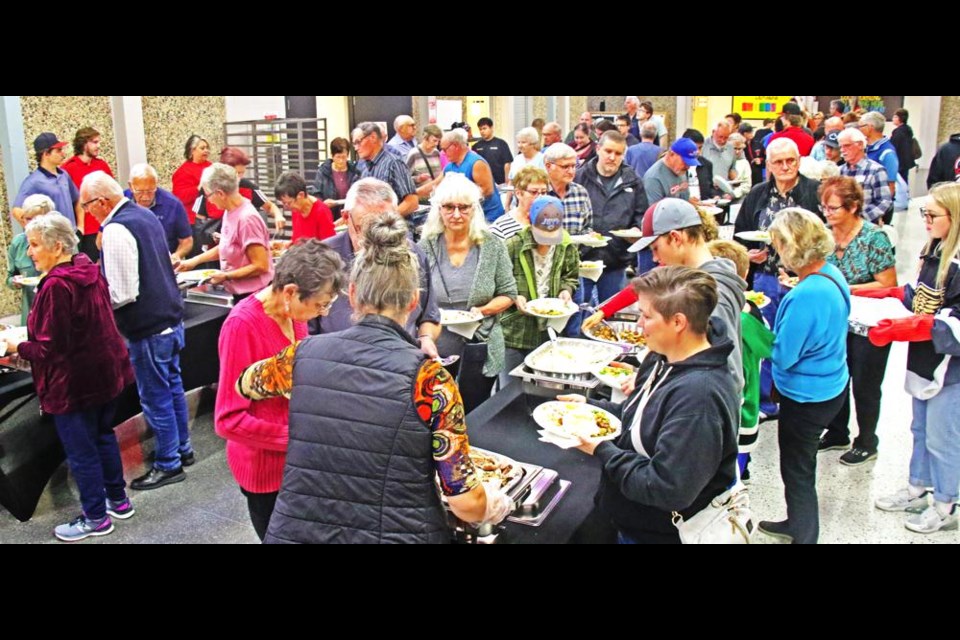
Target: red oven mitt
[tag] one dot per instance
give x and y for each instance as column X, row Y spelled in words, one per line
column 887, row 292
column 913, row 329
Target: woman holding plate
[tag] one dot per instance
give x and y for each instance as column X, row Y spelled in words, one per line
column 546, row 264
column 678, row 449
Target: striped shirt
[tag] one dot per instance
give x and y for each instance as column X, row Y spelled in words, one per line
column 506, row 226
column 876, row 192
column 577, row 209
column 391, row 170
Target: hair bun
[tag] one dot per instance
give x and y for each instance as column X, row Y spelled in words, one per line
column 385, row 240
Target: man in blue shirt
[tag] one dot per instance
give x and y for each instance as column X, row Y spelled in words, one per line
column 51, row 181
column 643, row 156
column 166, row 206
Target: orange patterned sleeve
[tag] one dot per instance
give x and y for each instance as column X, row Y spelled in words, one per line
column 269, row 378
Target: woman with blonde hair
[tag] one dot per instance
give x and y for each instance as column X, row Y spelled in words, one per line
column 470, row 270
column 528, row 151
column 19, row 264
column 932, row 376
column 809, row 364
column 529, row 184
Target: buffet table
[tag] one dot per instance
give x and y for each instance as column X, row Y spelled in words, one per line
column 503, row 425
column 30, row 450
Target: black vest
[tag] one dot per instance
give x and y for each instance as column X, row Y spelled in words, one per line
column 359, row 465
column 159, row 305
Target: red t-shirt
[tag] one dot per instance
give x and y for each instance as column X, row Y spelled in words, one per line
column 803, row 139
column 318, row 224
column 77, row 169
column 186, row 185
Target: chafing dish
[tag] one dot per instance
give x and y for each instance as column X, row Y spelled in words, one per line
column 570, row 357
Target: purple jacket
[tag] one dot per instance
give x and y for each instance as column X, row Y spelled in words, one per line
column 78, row 357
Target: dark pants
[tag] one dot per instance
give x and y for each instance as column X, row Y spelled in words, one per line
column 88, row 245
column 867, row 365
column 475, row 387
column 93, row 456
column 260, row 506
column 801, row 424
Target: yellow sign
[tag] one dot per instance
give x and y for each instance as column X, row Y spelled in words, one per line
column 759, row 107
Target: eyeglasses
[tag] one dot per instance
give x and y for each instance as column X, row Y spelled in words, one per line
column 322, row 308
column 785, row 162
column 360, row 140
column 565, row 167
column 85, row 205
column 825, row 208
column 537, row 192
column 930, row 217
column 144, row 192
column 449, row 208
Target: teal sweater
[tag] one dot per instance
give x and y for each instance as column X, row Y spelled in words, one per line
column 19, row 263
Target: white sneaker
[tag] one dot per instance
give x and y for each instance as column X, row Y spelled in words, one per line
column 903, row 500
column 933, row 520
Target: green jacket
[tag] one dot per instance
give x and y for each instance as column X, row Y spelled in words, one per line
column 493, row 278
column 757, row 344
column 527, row 332
column 19, row 263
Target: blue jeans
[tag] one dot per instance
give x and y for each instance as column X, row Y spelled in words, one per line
column 572, row 330
column 770, row 286
column 645, row 261
column 93, row 456
column 156, row 363
column 936, row 444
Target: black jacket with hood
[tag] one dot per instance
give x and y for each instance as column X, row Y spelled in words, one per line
column 689, row 434
column 946, row 164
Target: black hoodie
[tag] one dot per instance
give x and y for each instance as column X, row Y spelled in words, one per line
column 946, row 164
column 689, row 430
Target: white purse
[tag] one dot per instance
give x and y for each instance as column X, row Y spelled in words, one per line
column 726, row 520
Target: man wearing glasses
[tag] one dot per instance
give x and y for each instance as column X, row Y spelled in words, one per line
column 475, row 168
column 366, row 200
column 877, row 198
column 378, row 163
column 623, row 126
column 166, row 206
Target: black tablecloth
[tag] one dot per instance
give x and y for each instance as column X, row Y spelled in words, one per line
column 30, row 450
column 503, row 424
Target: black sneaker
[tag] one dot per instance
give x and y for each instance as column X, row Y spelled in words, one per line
column 745, row 476
column 188, row 459
column 857, row 456
column 827, row 444
column 779, row 530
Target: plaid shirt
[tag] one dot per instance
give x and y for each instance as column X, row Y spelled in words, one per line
column 390, row 169
column 876, row 192
column 577, row 209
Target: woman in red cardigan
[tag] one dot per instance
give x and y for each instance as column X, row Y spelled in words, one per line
column 307, row 281
column 186, row 179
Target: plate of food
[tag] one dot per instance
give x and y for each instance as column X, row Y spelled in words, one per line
column 573, row 420
column 495, row 467
column 593, row 239
column 196, row 275
column 457, row 316
column 619, row 333
column 790, row 282
column 613, row 376
column 551, row 308
column 712, row 210
column 27, row 281
column 18, row 334
column 754, row 236
column 758, row 298
column 630, row 234
column 588, row 265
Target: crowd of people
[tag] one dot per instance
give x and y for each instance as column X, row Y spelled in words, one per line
column 340, row 316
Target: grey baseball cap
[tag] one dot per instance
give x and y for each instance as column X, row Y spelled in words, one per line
column 663, row 217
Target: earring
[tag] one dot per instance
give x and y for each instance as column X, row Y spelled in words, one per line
column 287, row 306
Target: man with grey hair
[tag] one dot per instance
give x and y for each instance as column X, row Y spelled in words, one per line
column 405, row 138
column 643, row 156
column 880, row 149
column 166, row 206
column 631, row 105
column 148, row 309
column 560, row 162
column 877, row 198
column 377, row 162
column 718, row 150
column 837, row 108
column 475, row 168
column 552, row 134
column 366, row 200
column 585, row 118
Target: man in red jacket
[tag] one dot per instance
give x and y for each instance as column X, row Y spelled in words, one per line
column 85, row 160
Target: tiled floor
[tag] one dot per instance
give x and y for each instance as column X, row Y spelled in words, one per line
column 208, row 506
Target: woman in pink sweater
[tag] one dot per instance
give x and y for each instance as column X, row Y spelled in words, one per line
column 307, row 281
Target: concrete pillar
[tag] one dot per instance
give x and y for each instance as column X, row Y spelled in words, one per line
column 128, row 129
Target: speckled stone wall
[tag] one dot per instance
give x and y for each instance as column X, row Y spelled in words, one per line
column 9, row 300
column 169, row 120
column 949, row 120
column 578, row 104
column 663, row 105
column 63, row 115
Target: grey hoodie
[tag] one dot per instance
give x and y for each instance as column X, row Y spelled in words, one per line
column 730, row 288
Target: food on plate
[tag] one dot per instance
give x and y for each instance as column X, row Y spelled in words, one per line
column 549, row 307
column 456, row 316
column 792, row 282
column 616, row 372
column 757, row 297
column 591, row 264
column 627, row 233
column 493, row 467
column 632, row 336
column 27, row 281
column 572, row 419
column 604, row 332
column 754, row 236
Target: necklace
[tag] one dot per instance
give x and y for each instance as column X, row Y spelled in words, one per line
column 842, row 245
